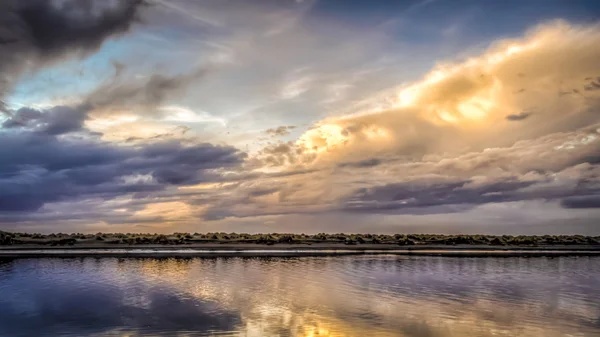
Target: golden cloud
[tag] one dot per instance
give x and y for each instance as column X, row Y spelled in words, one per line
column 517, row 89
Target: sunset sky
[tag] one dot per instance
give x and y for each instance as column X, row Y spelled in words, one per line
column 309, row 116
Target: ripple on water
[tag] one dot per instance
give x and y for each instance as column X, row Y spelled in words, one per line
column 366, row 295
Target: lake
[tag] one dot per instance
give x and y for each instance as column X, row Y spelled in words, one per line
column 358, row 295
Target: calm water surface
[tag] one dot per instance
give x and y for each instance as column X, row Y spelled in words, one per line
column 383, row 295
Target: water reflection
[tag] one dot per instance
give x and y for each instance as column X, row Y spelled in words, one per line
column 307, row 296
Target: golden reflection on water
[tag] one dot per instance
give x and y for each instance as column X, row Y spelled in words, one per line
column 356, row 296
column 317, row 296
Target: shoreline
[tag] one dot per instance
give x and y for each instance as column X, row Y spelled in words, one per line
column 291, row 250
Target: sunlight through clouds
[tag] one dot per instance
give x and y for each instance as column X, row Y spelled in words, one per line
column 199, row 114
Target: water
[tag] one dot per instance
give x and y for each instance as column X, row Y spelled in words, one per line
column 366, row 295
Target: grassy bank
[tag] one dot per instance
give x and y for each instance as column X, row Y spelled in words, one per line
column 371, row 241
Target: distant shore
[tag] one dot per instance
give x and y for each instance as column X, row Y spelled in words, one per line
column 298, row 249
column 287, row 244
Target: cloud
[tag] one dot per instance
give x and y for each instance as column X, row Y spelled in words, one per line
column 120, row 108
column 38, row 168
column 592, row 85
column 36, row 33
column 296, row 86
column 181, row 114
column 277, row 154
column 143, row 94
column 430, row 194
column 554, row 167
column 560, row 166
column 279, row 131
column 362, row 163
column 448, row 143
column 575, row 186
column 518, row 117
column 54, row 121
column 126, row 108
column 472, row 105
column 581, row 202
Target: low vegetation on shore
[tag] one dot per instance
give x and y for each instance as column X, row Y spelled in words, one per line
column 61, row 239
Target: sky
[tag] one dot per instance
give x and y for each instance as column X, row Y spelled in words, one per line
column 305, row 116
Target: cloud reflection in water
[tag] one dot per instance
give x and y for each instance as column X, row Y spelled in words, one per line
column 308, row 296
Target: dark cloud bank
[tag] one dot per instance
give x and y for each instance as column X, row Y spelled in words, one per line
column 55, row 121
column 427, row 197
column 38, row 168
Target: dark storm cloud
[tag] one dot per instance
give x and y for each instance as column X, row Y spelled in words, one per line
column 420, row 195
column 178, row 165
column 37, row 32
column 36, row 168
column 54, row 121
column 576, row 187
column 518, row 117
column 582, row 202
column 56, row 26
